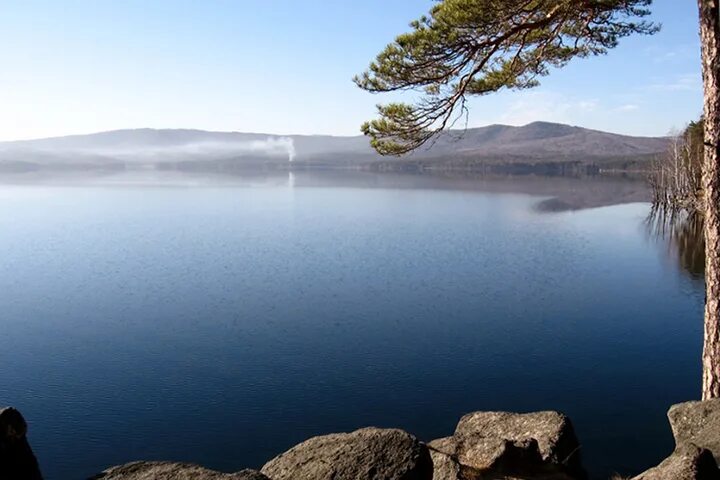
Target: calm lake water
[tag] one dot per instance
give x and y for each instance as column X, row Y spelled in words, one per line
column 221, row 323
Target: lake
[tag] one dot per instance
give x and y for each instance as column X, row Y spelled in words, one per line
column 221, row 321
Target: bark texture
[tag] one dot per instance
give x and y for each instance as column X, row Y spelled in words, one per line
column 710, row 40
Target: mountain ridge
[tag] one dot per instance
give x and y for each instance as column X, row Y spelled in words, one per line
column 265, row 134
column 543, row 142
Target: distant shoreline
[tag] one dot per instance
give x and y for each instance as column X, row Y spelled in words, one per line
column 638, row 166
column 555, row 192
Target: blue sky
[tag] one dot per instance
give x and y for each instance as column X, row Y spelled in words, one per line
column 285, row 66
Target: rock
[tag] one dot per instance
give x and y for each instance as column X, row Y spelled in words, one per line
column 367, row 454
column 688, row 462
column 509, row 445
column 17, row 461
column 697, row 423
column 445, row 464
column 172, row 471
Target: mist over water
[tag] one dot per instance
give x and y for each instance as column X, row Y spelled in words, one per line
column 269, row 147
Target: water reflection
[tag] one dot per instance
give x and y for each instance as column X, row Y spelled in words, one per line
column 557, row 193
column 684, row 234
column 186, row 308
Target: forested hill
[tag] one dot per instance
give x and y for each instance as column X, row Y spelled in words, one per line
column 536, row 143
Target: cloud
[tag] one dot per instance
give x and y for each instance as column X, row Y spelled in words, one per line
column 678, row 53
column 629, row 107
column 682, row 83
column 547, row 106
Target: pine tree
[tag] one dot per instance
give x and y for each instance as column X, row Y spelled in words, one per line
column 476, row 47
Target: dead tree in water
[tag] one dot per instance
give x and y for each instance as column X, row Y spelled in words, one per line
column 676, row 177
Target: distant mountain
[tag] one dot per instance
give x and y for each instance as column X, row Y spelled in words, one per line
column 545, row 141
column 536, row 143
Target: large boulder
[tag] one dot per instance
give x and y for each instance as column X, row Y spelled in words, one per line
column 445, row 463
column 697, row 423
column 17, row 461
column 367, row 454
column 171, row 471
column 509, row 445
column 688, row 462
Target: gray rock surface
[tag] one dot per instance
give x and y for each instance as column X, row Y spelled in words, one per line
column 697, row 423
column 445, row 463
column 172, row 471
column 17, row 461
column 367, row 454
column 509, row 445
column 688, row 462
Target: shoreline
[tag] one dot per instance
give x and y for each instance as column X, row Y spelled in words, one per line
column 485, row 445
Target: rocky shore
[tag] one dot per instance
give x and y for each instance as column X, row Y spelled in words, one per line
column 485, row 446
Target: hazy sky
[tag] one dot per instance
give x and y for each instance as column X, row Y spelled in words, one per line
column 285, row 66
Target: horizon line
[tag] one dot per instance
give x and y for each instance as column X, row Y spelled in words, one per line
column 187, row 129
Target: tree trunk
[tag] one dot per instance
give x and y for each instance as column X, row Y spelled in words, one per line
column 710, row 39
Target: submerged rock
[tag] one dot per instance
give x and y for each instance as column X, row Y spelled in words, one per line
column 509, row 445
column 17, row 461
column 688, row 462
column 367, row 454
column 172, row 471
column 697, row 423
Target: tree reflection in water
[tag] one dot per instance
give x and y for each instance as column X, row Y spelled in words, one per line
column 684, row 235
